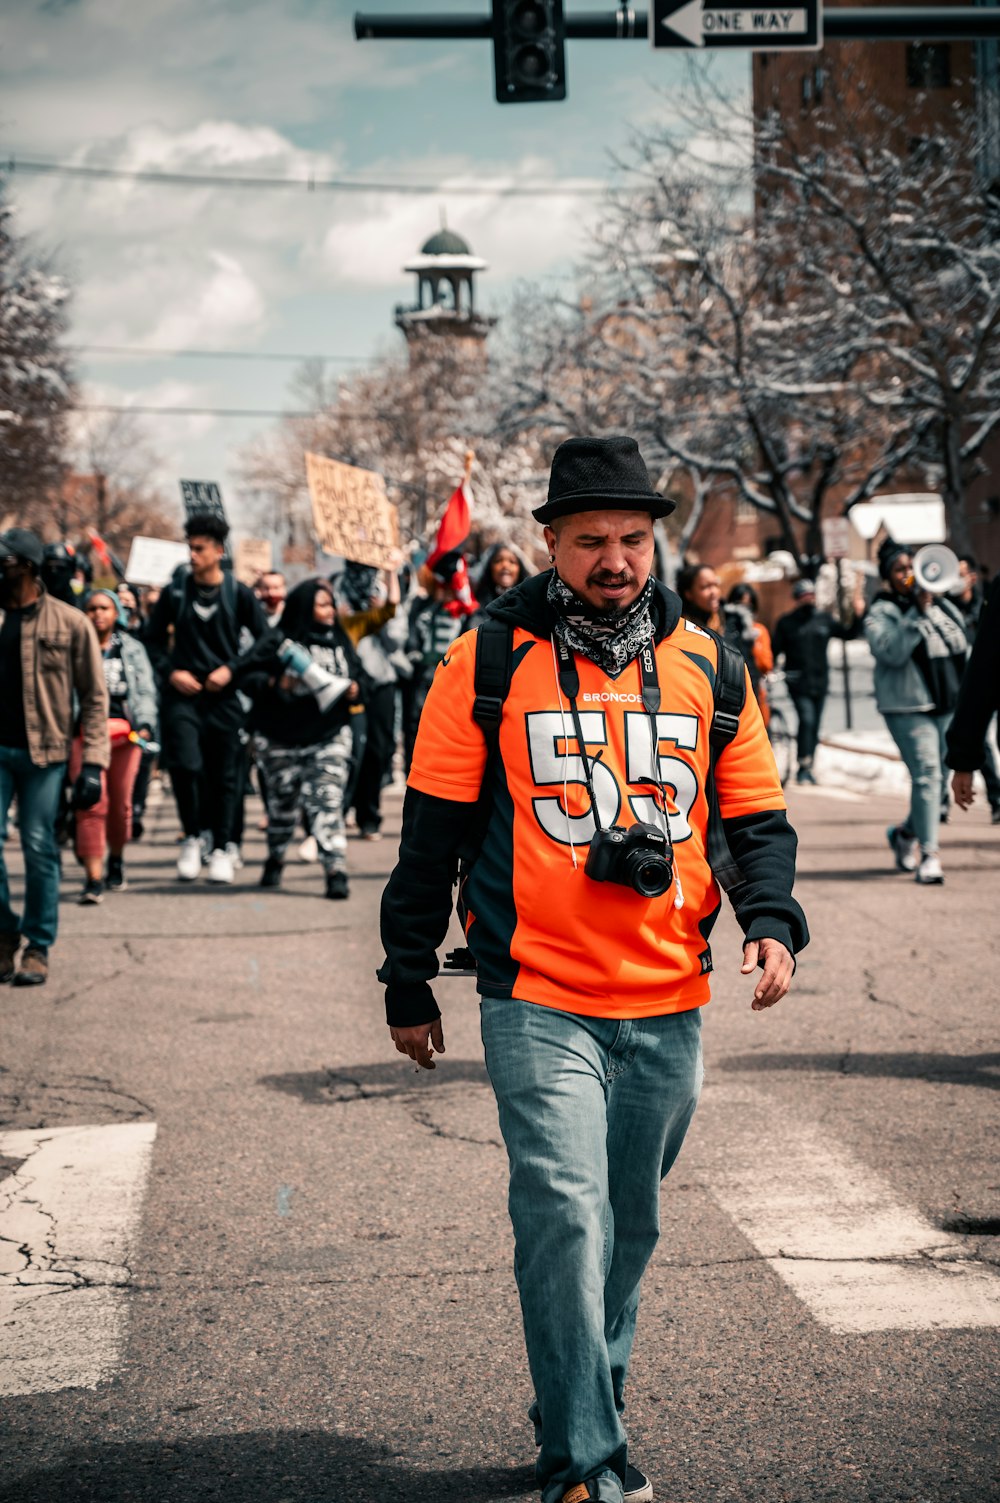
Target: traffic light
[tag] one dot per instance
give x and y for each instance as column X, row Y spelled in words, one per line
column 529, row 51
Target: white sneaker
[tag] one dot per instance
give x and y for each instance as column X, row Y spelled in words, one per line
column 309, row 850
column 220, row 866
column 189, row 860
column 233, row 852
column 929, row 869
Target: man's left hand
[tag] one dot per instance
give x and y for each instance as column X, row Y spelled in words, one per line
column 219, row 678
column 777, row 964
column 963, row 789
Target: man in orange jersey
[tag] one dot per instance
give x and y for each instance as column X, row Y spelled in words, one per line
column 589, row 909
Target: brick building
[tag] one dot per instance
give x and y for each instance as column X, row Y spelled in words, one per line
column 916, row 86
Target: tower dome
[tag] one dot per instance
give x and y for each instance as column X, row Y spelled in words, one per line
column 446, row 243
column 445, row 268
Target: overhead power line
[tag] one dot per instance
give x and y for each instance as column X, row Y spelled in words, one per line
column 156, row 351
column 225, row 412
column 308, row 184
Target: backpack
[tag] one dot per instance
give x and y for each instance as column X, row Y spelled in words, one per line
column 182, row 593
column 493, row 672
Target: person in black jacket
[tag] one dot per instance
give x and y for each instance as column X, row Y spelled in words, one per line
column 302, row 731
column 195, row 640
column 978, row 702
column 802, row 638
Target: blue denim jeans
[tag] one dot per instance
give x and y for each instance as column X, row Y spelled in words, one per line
column 593, row 1112
column 37, row 790
column 921, row 742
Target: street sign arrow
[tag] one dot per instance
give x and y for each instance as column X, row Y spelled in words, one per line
column 768, row 26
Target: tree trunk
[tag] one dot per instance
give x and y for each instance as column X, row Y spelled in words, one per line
column 957, row 530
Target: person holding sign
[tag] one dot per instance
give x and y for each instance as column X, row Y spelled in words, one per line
column 302, row 731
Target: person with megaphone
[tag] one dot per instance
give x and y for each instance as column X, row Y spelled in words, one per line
column 919, row 644
column 302, row 732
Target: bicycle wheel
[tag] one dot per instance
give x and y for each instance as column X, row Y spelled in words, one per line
column 782, row 745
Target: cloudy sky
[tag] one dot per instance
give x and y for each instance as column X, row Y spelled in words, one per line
column 280, row 89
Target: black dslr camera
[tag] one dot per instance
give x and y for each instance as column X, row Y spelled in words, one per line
column 639, row 857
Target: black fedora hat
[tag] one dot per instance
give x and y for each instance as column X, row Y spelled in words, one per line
column 600, row 474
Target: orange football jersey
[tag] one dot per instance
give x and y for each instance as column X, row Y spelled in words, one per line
column 540, row 929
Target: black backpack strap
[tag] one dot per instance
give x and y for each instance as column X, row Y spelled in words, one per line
column 729, row 699
column 494, row 651
column 494, row 664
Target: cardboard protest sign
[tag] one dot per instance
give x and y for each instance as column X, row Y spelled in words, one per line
column 253, row 558
column 152, row 561
column 351, row 513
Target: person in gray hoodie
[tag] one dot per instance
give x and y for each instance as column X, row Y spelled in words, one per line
column 919, row 645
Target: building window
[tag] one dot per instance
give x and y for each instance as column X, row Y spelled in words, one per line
column 813, row 83
column 928, row 65
column 744, row 511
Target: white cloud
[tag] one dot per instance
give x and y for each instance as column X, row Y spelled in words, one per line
column 229, row 306
column 95, row 69
column 370, row 240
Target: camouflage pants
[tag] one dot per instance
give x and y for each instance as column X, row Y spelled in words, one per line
column 311, row 779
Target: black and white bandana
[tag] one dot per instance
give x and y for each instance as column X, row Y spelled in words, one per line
column 612, row 642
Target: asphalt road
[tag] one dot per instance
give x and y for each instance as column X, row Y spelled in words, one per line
column 317, row 1300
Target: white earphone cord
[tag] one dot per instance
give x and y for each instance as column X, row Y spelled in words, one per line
column 562, row 712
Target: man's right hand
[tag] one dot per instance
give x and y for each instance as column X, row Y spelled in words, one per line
column 416, row 1042
column 185, row 682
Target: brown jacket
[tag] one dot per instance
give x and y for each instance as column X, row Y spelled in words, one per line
column 59, row 653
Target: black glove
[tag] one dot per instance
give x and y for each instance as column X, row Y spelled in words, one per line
column 87, row 788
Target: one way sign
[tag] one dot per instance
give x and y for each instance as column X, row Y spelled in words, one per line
column 767, row 27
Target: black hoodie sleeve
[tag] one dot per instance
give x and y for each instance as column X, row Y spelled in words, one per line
column 764, row 847
column 979, row 695
column 417, row 904
column 157, row 634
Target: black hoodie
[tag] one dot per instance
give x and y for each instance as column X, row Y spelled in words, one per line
column 293, row 717
column 417, row 903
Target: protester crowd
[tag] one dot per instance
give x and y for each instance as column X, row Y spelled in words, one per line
column 308, row 694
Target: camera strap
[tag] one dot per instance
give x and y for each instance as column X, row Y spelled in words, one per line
column 569, row 683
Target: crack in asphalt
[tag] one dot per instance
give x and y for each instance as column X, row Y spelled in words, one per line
column 60, row 1096
column 423, row 1118
column 872, row 996
column 61, row 1000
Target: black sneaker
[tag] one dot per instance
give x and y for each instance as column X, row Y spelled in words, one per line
column 137, row 826
column 115, row 876
column 336, row 885
column 271, row 875
column 638, row 1488
column 93, row 891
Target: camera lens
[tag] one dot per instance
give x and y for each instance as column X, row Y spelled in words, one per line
column 650, row 875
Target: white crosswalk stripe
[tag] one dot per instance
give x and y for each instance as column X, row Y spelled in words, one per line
column 831, row 1228
column 69, row 1217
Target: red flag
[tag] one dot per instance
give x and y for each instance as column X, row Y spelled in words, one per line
column 446, row 559
column 454, row 528
column 99, row 549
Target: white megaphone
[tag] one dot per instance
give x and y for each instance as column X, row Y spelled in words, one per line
column 935, row 569
column 326, row 687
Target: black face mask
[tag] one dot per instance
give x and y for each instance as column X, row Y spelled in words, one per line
column 9, row 584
